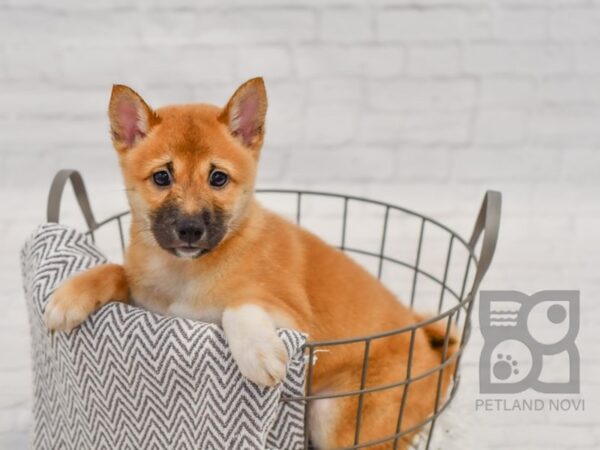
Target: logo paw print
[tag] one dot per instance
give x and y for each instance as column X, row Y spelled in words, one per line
column 505, row 367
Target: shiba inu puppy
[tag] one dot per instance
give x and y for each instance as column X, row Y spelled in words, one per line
column 201, row 247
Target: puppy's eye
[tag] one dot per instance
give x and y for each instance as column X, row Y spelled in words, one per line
column 162, row 178
column 218, row 178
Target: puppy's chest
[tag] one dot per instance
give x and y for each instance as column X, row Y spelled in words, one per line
column 166, row 289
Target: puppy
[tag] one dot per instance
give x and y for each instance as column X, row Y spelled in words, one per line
column 201, row 247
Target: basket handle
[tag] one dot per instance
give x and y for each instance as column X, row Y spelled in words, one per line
column 56, row 193
column 488, row 223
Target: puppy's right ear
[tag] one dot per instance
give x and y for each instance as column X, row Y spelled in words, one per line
column 131, row 119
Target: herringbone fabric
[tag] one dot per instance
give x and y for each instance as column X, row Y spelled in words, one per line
column 131, row 379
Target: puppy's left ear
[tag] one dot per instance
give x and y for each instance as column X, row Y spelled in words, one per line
column 245, row 113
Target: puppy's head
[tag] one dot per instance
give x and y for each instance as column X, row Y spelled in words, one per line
column 189, row 170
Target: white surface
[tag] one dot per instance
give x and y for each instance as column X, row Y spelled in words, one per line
column 422, row 103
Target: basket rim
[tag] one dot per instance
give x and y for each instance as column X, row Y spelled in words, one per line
column 461, row 303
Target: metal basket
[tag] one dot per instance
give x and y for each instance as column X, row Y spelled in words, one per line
column 374, row 251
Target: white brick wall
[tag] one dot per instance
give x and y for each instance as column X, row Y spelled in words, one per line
column 425, row 103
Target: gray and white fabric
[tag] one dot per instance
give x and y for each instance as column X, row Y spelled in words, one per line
column 131, row 379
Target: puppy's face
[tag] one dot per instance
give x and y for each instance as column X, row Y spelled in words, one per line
column 189, row 170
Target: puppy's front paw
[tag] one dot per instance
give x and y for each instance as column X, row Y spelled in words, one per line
column 68, row 307
column 255, row 346
column 265, row 362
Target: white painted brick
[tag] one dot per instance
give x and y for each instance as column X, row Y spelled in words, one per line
column 31, row 62
column 417, row 128
column 331, row 124
column 314, row 61
column 336, row 90
column 566, row 126
column 571, row 90
column 406, row 95
column 3, row 63
column 407, row 24
column 285, row 117
column 346, row 25
column 588, row 57
column 33, row 134
column 501, row 126
column 574, row 23
column 24, row 26
column 528, row 4
column 581, row 165
column 272, row 62
column 421, row 164
column 508, row 91
column 272, row 165
column 39, row 100
column 71, row 6
column 503, row 59
column 317, row 164
column 520, row 25
column 384, row 61
column 505, row 164
column 438, row 59
column 244, row 25
column 141, row 66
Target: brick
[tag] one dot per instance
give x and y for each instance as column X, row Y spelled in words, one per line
column 272, row 165
column 244, row 25
column 503, row 59
column 420, row 128
column 335, row 90
column 566, row 126
column 581, row 165
column 574, row 23
column 515, row 164
column 40, row 100
column 273, row 62
column 588, row 57
column 142, row 66
column 285, row 117
column 33, row 134
column 331, row 124
column 384, row 61
column 438, row 59
column 31, row 62
column 71, row 6
column 422, row 164
column 318, row 61
column 407, row 24
column 508, row 91
column 346, row 25
column 24, row 26
column 521, row 25
column 501, row 126
column 571, row 89
column 408, row 95
column 348, row 164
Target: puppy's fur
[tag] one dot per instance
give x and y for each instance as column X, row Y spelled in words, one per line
column 213, row 253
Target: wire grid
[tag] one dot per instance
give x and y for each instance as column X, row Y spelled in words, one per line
column 457, row 313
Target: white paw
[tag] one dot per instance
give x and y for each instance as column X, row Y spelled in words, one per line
column 66, row 310
column 264, row 362
column 255, row 346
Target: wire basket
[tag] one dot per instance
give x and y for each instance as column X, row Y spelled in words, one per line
column 425, row 263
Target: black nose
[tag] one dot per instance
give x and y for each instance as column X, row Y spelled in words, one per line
column 190, row 231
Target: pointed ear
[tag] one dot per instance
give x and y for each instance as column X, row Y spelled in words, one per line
column 130, row 117
column 245, row 113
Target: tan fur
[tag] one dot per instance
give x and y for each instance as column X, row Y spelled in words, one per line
column 264, row 261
